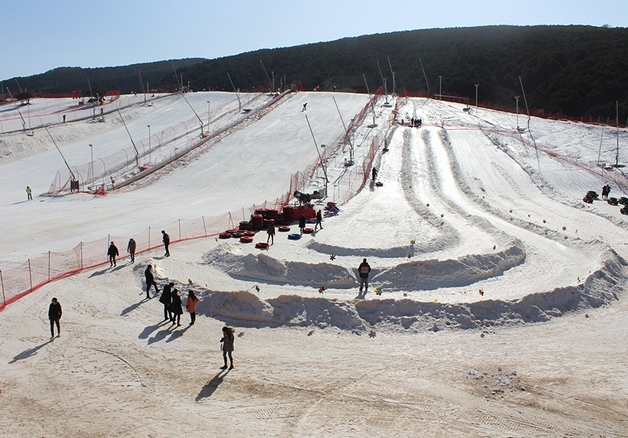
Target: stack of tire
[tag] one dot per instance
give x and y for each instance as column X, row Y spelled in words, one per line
column 271, row 214
column 288, row 214
column 590, row 197
column 257, row 221
column 245, row 225
column 623, row 201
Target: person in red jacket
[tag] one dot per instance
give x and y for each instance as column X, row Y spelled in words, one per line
column 190, row 304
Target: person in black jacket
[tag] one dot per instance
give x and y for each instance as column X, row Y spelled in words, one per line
column 112, row 252
column 176, row 308
column 150, row 280
column 319, row 220
column 227, row 345
column 131, row 249
column 302, row 223
column 166, row 241
column 54, row 315
column 166, row 300
column 364, row 270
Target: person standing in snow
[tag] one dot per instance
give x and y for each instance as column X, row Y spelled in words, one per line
column 227, row 345
column 130, row 248
column 54, row 315
column 304, row 106
column 112, row 252
column 606, row 190
column 150, row 280
column 166, row 241
column 166, row 300
column 374, row 173
column 176, row 308
column 29, row 194
column 364, row 270
column 271, row 233
column 302, row 223
column 319, row 220
column 190, row 304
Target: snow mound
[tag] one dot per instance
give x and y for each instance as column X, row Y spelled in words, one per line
column 601, row 287
column 434, row 274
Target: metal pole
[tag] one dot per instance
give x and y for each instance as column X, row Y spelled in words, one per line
column 150, row 159
column 91, row 152
column 30, row 273
column 440, row 87
column 617, row 122
column 208, row 115
column 319, row 154
column 517, row 105
column 204, row 228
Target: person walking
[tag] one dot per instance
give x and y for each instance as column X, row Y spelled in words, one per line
column 29, row 194
column 176, row 308
column 112, row 252
column 227, row 345
column 130, row 248
column 319, row 220
column 364, row 270
column 271, row 233
column 166, row 240
column 54, row 315
column 166, row 300
column 190, row 304
column 302, row 223
column 150, row 281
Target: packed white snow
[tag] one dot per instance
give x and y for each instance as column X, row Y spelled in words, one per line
column 496, row 294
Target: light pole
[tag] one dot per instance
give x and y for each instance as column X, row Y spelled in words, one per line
column 440, row 87
column 91, row 153
column 517, row 106
column 476, row 97
column 149, row 154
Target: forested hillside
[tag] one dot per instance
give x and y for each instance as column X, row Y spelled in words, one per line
column 574, row 69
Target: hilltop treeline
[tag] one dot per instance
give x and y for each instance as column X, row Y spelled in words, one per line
column 577, row 70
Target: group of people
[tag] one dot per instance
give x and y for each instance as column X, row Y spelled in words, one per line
column 113, row 252
column 319, row 221
column 171, row 300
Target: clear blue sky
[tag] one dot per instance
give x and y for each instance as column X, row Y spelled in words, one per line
column 39, row 35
